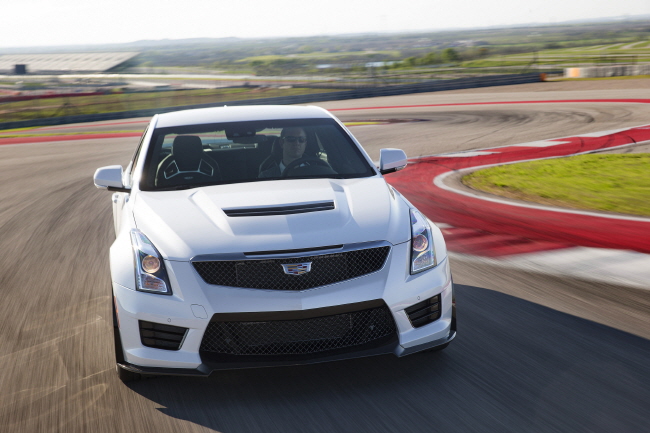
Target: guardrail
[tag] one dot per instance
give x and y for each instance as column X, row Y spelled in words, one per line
column 430, row 86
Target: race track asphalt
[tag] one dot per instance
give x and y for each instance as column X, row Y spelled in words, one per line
column 534, row 352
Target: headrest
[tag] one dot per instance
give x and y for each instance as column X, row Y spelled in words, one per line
column 276, row 148
column 187, row 151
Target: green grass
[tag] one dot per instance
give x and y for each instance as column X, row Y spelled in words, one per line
column 565, row 56
column 66, row 133
column 614, row 183
column 488, row 63
column 40, row 108
column 326, row 57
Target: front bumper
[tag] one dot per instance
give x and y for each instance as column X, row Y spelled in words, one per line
column 205, row 369
column 194, row 305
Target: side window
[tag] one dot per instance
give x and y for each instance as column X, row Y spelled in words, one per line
column 131, row 166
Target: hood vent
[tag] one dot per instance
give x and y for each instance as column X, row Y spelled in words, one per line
column 281, row 210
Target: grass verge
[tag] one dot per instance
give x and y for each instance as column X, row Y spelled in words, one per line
column 94, row 104
column 613, row 183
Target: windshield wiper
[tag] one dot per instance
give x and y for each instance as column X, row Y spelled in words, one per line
column 320, row 176
column 198, row 185
column 182, row 187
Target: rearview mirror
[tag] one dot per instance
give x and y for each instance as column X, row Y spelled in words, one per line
column 391, row 160
column 110, row 178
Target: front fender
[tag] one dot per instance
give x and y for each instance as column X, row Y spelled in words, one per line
column 122, row 260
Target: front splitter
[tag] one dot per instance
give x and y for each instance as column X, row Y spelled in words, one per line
column 207, row 367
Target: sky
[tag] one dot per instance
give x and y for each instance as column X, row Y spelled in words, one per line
column 28, row 23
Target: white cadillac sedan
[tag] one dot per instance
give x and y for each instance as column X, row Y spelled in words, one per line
column 265, row 235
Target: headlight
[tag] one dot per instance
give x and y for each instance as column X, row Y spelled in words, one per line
column 423, row 252
column 150, row 273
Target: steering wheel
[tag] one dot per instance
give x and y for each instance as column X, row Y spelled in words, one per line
column 309, row 160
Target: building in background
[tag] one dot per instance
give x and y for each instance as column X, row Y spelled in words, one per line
column 54, row 64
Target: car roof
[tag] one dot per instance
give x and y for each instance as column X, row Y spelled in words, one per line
column 239, row 114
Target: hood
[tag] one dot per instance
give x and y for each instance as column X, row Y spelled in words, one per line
column 184, row 224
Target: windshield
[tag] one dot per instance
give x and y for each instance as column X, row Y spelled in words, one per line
column 197, row 155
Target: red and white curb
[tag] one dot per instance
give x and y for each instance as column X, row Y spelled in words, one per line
column 613, row 266
column 493, row 227
column 604, row 265
column 618, row 267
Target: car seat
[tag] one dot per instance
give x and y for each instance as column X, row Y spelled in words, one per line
column 187, row 164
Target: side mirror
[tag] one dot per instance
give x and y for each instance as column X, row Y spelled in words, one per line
column 110, row 178
column 391, row 160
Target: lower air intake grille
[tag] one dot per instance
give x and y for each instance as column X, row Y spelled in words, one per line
column 161, row 336
column 299, row 337
column 269, row 273
column 424, row 312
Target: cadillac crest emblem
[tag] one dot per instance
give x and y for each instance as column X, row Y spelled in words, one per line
column 296, row 268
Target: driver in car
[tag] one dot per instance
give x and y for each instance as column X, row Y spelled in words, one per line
column 293, row 142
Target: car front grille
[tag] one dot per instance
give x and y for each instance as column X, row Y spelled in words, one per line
column 270, row 274
column 424, row 312
column 301, row 336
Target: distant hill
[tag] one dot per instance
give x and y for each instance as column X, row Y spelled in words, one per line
column 236, row 54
